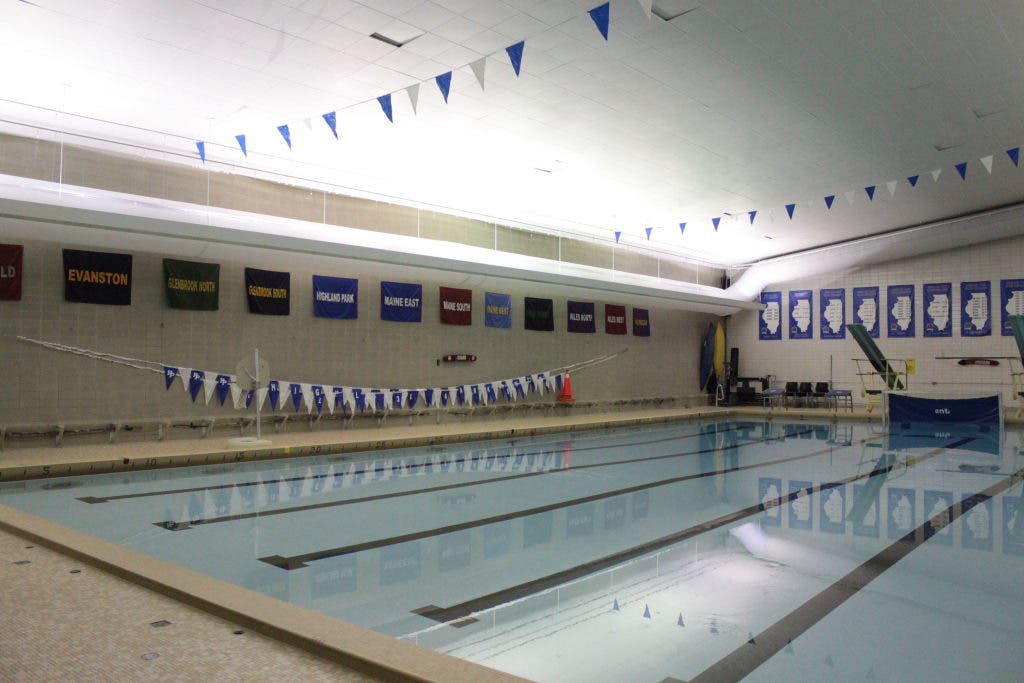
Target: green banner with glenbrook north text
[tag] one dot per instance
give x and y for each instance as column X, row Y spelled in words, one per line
column 191, row 285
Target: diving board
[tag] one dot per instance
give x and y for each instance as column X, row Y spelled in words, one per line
column 880, row 375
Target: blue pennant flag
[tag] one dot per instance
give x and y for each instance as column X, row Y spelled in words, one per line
column 1014, row 154
column 444, row 84
column 318, row 398
column 331, row 119
column 296, row 392
column 648, row 231
column 600, row 16
column 828, row 200
column 913, row 180
column 413, row 395
column 961, row 168
column 515, row 55
column 286, row 134
column 714, row 221
column 223, row 385
column 195, row 383
column 790, row 208
column 169, row 375
column 618, row 236
column 201, row 147
column 248, row 397
column 870, row 189
column 241, row 143
column 753, row 215
column 273, row 393
column 385, row 105
column 682, row 228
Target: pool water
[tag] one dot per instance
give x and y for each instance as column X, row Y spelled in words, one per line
column 711, row 550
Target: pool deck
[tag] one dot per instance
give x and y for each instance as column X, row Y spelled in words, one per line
column 96, row 623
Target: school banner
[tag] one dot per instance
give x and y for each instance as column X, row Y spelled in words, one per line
column 865, row 309
column 614, row 319
column 94, row 277
column 192, row 286
column 770, row 327
column 937, row 302
column 976, row 309
column 832, row 317
column 801, row 322
column 538, row 314
column 1011, row 302
column 456, row 306
column 401, row 302
column 498, row 310
column 335, row 297
column 269, row 291
column 10, row 271
column 641, row 322
column 581, row 317
column 899, row 304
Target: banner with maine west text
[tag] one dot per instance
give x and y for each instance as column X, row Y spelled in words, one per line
column 401, row 302
column 498, row 310
column 456, row 306
column 538, row 314
column 269, row 291
column 335, row 297
column 581, row 317
column 192, row 286
column 614, row 319
column 95, row 277
column 641, row 322
column 10, row 271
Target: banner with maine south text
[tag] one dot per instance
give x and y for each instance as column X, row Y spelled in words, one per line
column 498, row 310
column 269, row 291
column 538, row 314
column 641, row 322
column 456, row 306
column 401, row 302
column 581, row 317
column 335, row 297
column 11, row 256
column 192, row 286
column 614, row 319
column 95, row 277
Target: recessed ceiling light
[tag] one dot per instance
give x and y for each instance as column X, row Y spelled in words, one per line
column 385, row 39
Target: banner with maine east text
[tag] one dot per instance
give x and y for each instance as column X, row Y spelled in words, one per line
column 456, row 306
column 641, row 322
column 498, row 310
column 268, row 291
column 10, row 271
column 192, row 286
column 94, row 277
column 401, row 302
column 335, row 297
column 581, row 317
column 614, row 319
column 538, row 314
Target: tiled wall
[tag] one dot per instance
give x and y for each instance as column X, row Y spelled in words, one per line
column 819, row 360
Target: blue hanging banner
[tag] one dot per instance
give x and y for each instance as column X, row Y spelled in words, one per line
column 682, row 228
column 274, row 393
column 331, row 119
column 223, row 386
column 201, row 148
column 870, row 189
column 286, row 134
column 715, row 221
column 600, row 15
column 318, row 397
column 938, row 307
column 790, row 208
column 581, row 317
column 428, row 397
column 359, row 399
column 249, row 395
column 648, row 231
column 1011, row 302
column 412, row 396
column 385, row 105
column 832, row 313
column 335, row 297
column 169, row 375
column 769, row 327
column 828, row 201
column 912, row 180
column 961, row 168
column 296, row 393
column 752, row 214
column 618, row 236
column 489, row 391
column 515, row 55
column 801, row 320
column 1014, row 154
column 397, row 399
column 195, row 383
column 899, row 302
column 498, row 310
column 975, row 309
column 444, row 84
column 641, row 322
column 865, row 309
column 241, row 143
column 401, row 302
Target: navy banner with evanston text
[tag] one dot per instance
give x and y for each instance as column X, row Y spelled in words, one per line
column 95, row 277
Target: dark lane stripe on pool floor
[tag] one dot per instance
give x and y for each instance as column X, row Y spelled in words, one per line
column 464, row 609
column 746, row 658
column 300, row 561
column 171, row 525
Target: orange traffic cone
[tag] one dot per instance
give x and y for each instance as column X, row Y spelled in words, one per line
column 566, row 396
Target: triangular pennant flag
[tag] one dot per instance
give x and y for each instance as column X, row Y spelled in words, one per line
column 209, row 384
column 236, row 395
column 753, row 215
column 331, row 119
column 912, row 179
column 385, row 105
column 413, row 91
column 682, row 228
column 618, row 236
column 478, row 70
column 261, row 397
column 224, row 382
column 828, row 201
column 515, row 55
column 1014, row 154
column 750, row 638
column 201, row 147
column 891, row 186
column 679, row 621
column 870, row 189
column 648, row 231
column 987, row 163
column 296, row 392
column 936, row 173
column 444, row 83
column 790, row 208
column 274, row 390
column 647, row 611
column 186, row 377
column 961, row 168
column 169, row 375
column 715, row 221
column 600, row 16
column 850, row 194
column 307, row 396
column 615, row 604
column 241, row 143
column 195, row 383
column 646, row 6
column 308, row 122
column 286, row 134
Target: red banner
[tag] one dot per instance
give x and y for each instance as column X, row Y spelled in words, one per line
column 614, row 319
column 456, row 306
column 10, row 272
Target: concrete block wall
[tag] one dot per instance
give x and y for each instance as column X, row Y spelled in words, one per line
column 819, row 360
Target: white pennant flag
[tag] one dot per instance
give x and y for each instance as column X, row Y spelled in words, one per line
column 935, row 174
column 329, row 397
column 414, row 95
column 891, row 185
column 309, row 123
column 236, row 396
column 261, row 397
column 850, row 195
column 307, row 396
column 987, row 163
column 186, row 376
column 478, row 70
column 646, row 6
column 483, row 394
column 209, row 384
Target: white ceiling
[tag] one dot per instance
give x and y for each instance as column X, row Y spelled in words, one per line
column 729, row 106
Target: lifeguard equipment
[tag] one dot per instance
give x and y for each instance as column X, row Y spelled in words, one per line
column 566, row 395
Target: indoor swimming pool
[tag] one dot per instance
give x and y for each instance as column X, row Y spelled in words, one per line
column 689, row 551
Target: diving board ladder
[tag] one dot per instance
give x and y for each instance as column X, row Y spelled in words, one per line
column 1017, row 364
column 876, row 372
